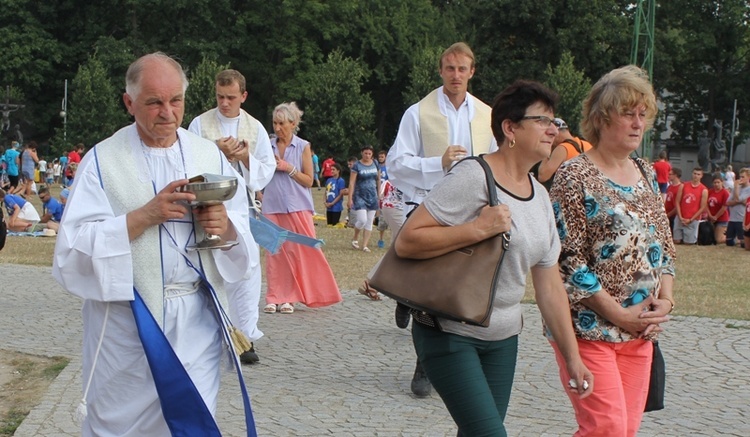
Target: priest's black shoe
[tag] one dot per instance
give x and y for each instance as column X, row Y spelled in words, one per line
column 249, row 357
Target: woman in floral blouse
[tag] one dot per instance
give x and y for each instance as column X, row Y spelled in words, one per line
column 617, row 257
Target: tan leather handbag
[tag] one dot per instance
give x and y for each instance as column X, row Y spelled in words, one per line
column 459, row 285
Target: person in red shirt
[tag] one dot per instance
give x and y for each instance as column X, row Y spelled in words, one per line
column 326, row 169
column 718, row 214
column 674, row 185
column 662, row 168
column 74, row 157
column 746, row 224
column 691, row 202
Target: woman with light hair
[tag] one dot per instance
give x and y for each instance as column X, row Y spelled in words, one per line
column 297, row 273
column 617, row 257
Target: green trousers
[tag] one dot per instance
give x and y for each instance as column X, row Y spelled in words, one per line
column 473, row 377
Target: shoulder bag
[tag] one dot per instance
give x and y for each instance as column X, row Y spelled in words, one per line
column 657, row 383
column 459, row 285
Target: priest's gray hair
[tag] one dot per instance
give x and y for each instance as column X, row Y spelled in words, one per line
column 135, row 70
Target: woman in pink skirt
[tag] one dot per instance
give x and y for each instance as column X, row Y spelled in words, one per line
column 297, row 273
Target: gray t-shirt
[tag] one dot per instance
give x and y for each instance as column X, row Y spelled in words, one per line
column 737, row 212
column 458, row 198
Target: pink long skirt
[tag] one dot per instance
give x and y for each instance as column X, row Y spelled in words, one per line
column 299, row 273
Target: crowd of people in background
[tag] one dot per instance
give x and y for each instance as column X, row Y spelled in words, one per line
column 702, row 215
column 518, row 134
column 25, row 173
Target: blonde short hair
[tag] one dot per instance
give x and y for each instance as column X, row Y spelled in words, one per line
column 616, row 92
column 459, row 48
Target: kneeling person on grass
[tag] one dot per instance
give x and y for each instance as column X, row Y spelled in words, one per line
column 53, row 210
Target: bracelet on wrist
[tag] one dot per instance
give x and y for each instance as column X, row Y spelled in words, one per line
column 670, row 301
column 293, row 172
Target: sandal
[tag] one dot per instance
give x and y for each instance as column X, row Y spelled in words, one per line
column 286, row 308
column 270, row 308
column 355, row 244
column 368, row 291
column 366, row 249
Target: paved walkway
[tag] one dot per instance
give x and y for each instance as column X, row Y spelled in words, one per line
column 345, row 371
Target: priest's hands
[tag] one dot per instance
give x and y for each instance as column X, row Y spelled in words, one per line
column 168, row 204
column 212, row 218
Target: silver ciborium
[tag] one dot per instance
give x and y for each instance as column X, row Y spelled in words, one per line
column 211, row 189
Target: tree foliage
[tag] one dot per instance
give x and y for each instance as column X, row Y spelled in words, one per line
column 201, row 94
column 424, row 75
column 705, row 45
column 572, row 86
column 338, row 115
column 95, row 108
column 284, row 48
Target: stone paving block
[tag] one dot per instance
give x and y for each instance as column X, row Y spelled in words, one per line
column 345, row 371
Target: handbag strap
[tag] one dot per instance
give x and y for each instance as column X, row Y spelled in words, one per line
column 491, row 192
column 489, row 177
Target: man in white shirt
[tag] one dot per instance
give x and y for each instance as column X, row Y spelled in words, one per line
column 435, row 133
column 245, row 142
column 42, row 170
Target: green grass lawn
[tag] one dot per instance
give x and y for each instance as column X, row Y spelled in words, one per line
column 711, row 280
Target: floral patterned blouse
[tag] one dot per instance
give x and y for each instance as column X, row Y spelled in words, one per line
column 615, row 239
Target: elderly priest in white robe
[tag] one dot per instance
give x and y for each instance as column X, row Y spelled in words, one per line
column 155, row 325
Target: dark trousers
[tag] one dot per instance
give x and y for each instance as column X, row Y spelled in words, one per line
column 734, row 230
column 473, row 377
column 332, row 217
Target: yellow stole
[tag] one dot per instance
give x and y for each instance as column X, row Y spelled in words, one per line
column 433, row 126
column 247, row 129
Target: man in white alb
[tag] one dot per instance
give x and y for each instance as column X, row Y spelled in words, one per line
column 244, row 141
column 153, row 327
column 439, row 130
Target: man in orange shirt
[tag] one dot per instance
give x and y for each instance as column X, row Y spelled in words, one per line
column 564, row 147
column 691, row 202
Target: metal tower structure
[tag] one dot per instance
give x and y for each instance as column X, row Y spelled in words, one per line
column 642, row 52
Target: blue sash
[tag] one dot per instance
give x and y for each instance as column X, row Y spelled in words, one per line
column 181, row 403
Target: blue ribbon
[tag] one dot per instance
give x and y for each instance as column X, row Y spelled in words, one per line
column 183, row 407
column 271, row 236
